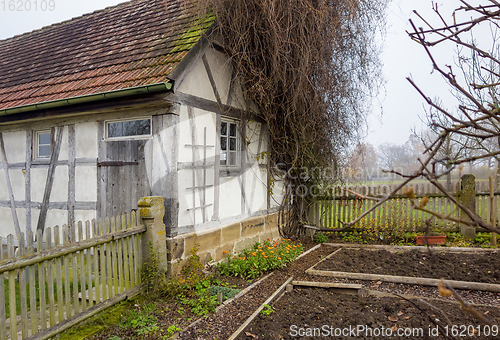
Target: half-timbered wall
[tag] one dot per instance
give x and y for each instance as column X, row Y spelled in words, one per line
column 86, row 177
column 210, row 194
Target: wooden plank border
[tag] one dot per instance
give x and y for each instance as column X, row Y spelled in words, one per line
column 488, row 287
column 257, row 311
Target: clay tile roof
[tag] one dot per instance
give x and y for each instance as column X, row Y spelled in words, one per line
column 132, row 44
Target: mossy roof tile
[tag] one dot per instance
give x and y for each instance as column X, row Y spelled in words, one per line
column 132, row 44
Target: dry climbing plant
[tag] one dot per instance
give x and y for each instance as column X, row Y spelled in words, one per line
column 310, row 67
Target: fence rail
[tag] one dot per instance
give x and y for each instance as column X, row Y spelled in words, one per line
column 343, row 206
column 67, row 275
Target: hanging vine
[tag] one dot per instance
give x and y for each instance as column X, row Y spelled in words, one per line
column 310, row 66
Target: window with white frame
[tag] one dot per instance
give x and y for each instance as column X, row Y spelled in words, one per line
column 43, row 145
column 229, row 143
column 132, row 128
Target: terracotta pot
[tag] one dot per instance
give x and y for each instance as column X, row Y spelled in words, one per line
column 423, row 240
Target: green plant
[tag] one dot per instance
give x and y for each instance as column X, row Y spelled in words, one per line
column 152, row 275
column 267, row 310
column 259, row 259
column 320, row 238
column 227, row 292
column 114, row 337
column 142, row 320
column 172, row 330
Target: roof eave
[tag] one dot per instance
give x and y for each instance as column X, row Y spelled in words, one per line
column 90, row 98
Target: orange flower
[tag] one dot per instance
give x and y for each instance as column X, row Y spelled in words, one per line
column 263, row 253
column 269, row 239
column 251, row 267
column 244, row 258
column 282, row 254
column 265, row 256
column 271, row 256
column 279, row 258
column 287, row 252
column 272, row 252
column 225, row 251
column 254, row 254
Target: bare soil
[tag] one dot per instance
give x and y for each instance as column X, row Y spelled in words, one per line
column 304, row 306
column 302, row 310
column 473, row 267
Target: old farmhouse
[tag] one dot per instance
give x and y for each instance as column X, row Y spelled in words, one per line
column 134, row 100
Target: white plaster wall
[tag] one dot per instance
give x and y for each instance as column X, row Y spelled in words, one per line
column 85, row 215
column 59, row 191
column 86, row 135
column 38, row 179
column 254, row 180
column 55, row 217
column 15, row 146
column 7, row 223
column 230, row 197
column 4, row 193
column 197, row 82
column 256, row 189
column 17, row 179
column 86, row 183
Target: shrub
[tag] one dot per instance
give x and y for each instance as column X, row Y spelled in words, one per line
column 320, row 238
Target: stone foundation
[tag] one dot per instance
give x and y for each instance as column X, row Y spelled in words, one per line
column 212, row 243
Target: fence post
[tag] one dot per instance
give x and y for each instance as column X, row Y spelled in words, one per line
column 468, row 199
column 152, row 211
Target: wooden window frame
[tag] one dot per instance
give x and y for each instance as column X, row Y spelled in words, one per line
column 36, row 144
column 226, row 167
column 124, row 138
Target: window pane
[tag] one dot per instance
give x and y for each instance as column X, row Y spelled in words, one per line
column 144, row 127
column 223, row 143
column 232, row 144
column 223, row 129
column 223, row 157
column 44, row 138
column 44, row 151
column 115, row 129
column 232, row 130
column 129, row 128
column 232, row 158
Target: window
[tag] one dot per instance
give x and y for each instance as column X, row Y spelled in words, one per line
column 128, row 128
column 42, row 144
column 229, row 143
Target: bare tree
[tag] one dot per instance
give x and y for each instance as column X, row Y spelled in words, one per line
column 310, row 66
column 478, row 103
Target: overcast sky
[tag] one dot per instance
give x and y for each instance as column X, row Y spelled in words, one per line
column 395, row 111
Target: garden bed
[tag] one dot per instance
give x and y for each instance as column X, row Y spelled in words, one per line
column 481, row 266
column 304, row 309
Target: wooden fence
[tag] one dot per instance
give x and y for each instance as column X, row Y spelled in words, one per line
column 68, row 275
column 344, row 206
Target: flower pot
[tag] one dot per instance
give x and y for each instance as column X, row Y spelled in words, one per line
column 423, row 240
